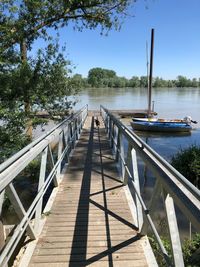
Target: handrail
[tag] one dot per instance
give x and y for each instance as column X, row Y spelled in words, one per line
column 131, row 135
column 175, row 186
column 65, row 135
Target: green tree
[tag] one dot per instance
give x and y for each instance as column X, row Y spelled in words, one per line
column 22, row 22
column 78, row 81
column 159, row 82
column 98, row 77
column 182, row 81
column 28, row 84
column 143, row 81
column 134, row 82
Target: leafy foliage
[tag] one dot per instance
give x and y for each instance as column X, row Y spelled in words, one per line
column 98, row 76
column 191, row 251
column 187, row 161
column 157, row 251
column 31, row 84
column 190, row 248
column 44, row 83
column 12, row 126
column 30, row 19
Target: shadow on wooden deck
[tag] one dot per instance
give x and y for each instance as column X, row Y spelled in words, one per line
column 82, row 218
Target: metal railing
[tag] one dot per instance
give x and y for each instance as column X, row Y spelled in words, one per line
column 64, row 136
column 174, row 188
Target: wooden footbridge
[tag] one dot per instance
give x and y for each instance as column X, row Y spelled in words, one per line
column 95, row 214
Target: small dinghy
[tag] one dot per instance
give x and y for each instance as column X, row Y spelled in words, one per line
column 162, row 125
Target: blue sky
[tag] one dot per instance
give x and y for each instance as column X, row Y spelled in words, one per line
column 177, row 41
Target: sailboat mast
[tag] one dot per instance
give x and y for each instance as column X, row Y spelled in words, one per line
column 147, row 56
column 150, row 73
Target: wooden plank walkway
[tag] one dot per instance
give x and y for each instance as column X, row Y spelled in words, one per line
column 90, row 223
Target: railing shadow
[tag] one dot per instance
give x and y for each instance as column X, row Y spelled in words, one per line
column 84, row 198
column 82, row 219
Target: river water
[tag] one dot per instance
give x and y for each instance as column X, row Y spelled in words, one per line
column 168, row 103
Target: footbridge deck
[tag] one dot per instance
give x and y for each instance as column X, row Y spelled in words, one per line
column 90, row 222
column 87, row 208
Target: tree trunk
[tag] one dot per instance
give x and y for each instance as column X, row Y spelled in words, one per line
column 27, row 104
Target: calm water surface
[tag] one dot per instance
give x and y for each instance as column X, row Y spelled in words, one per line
column 168, row 102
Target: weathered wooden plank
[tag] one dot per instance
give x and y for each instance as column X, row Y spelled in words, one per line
column 79, row 258
column 127, row 263
column 81, row 250
column 90, row 244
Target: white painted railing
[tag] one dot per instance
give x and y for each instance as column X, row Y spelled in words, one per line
column 175, row 189
column 64, row 136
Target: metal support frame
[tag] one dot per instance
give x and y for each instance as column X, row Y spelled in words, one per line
column 65, row 134
column 177, row 189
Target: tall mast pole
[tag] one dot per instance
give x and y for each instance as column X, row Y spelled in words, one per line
column 151, row 72
column 147, row 58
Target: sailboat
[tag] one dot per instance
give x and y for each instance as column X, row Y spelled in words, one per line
column 159, row 125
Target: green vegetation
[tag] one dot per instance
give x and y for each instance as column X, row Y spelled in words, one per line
column 190, row 250
column 98, row 78
column 187, row 162
column 29, row 84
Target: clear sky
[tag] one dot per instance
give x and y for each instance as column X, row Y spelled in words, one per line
column 177, row 41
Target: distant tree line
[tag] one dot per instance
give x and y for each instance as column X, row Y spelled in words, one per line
column 98, row 77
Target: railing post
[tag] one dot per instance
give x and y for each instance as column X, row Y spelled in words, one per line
column 60, row 147
column 112, row 125
column 50, row 157
column 122, row 167
column 137, row 186
column 128, row 163
column 76, row 129
column 109, row 130
column 2, row 232
column 118, row 145
column 152, row 205
column 173, row 230
column 38, row 211
column 115, row 141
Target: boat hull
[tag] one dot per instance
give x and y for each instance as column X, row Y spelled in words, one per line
column 155, row 126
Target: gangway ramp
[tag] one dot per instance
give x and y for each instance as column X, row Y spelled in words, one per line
column 96, row 214
column 90, row 222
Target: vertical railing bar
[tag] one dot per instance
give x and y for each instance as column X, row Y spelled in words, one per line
column 152, row 204
column 50, row 156
column 60, row 147
column 122, row 157
column 38, row 210
column 117, row 145
column 2, row 229
column 128, row 163
column 137, row 185
column 173, row 230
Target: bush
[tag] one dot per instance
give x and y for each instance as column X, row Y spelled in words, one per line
column 187, row 162
column 190, row 248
